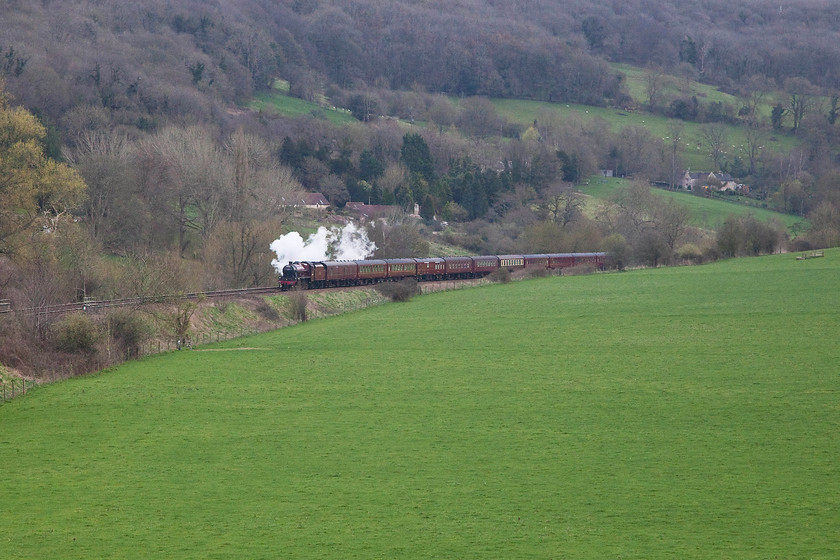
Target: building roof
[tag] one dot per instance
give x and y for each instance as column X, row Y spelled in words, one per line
column 371, row 210
column 315, row 199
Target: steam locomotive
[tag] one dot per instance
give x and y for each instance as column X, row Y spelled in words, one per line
column 328, row 274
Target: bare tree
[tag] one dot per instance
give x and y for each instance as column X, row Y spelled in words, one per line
column 674, row 139
column 754, row 92
column 442, row 113
column 172, row 174
column 105, row 160
column 654, row 84
column 562, row 204
column 754, row 139
column 714, row 136
column 641, row 152
column 802, row 96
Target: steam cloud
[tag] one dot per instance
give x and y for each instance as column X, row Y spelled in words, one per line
column 347, row 243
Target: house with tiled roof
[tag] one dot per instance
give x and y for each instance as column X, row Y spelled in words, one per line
column 371, row 211
column 723, row 182
column 315, row 201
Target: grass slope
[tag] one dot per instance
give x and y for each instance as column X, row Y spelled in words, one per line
column 279, row 101
column 707, row 213
column 684, row 412
column 693, row 154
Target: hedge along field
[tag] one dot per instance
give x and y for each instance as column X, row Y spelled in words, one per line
column 685, row 412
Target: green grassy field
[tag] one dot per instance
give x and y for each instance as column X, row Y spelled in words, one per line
column 674, row 413
column 636, row 80
column 708, row 213
column 284, row 104
column 693, row 153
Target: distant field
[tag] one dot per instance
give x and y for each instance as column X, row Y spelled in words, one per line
column 637, row 85
column 675, row 413
column 693, row 154
column 284, row 104
column 706, row 212
column 692, row 151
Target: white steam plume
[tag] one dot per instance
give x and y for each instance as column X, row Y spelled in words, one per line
column 347, row 243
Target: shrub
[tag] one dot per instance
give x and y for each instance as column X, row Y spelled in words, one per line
column 536, row 272
column 690, row 253
column 128, row 330
column 76, row 334
column 579, row 269
column 403, row 290
column 618, row 249
column 745, row 235
column 296, row 305
column 500, row 276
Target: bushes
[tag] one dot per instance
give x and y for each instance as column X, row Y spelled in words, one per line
column 296, row 305
column 76, row 334
column 128, row 330
column 403, row 290
column 746, row 236
column 580, row 269
column 538, row 272
column 500, row 276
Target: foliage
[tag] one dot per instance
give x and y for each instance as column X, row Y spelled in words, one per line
column 296, row 305
column 36, row 192
column 500, row 276
column 402, row 290
column 182, row 317
column 128, row 330
column 76, row 333
column 746, row 236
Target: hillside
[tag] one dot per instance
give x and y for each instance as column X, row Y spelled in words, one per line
column 553, row 416
column 83, row 64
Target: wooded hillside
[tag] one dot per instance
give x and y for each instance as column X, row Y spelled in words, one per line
column 82, row 64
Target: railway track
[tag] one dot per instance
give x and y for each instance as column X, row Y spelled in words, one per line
column 93, row 305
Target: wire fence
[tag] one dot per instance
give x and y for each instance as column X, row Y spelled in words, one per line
column 12, row 387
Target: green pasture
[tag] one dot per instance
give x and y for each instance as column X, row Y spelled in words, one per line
column 280, row 102
column 693, row 153
column 706, row 212
column 675, row 413
column 673, row 87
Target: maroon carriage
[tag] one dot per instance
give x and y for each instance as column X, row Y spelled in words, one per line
column 430, row 269
column 561, row 260
column 458, row 267
column 485, row 264
column 537, row 261
column 401, row 268
column 341, row 273
column 371, row 271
